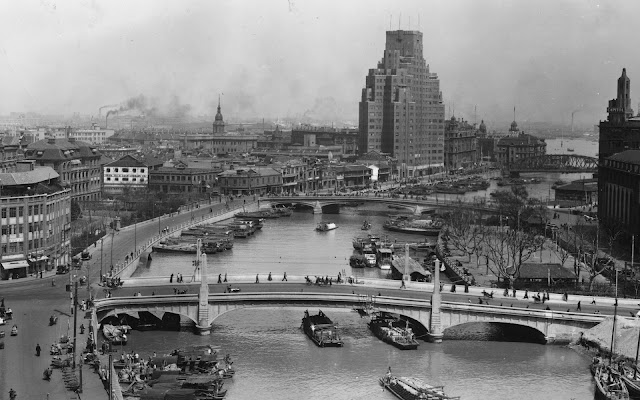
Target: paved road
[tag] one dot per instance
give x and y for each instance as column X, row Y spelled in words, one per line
column 34, row 300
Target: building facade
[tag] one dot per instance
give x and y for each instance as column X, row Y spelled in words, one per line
column 124, row 175
column 182, row 178
column 460, row 144
column 309, row 136
column 401, row 111
column 95, row 135
column 35, row 214
column 619, row 190
column 512, row 149
column 250, row 181
column 77, row 163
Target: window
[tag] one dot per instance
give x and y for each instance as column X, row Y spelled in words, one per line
column 20, row 211
column 125, row 169
column 142, row 170
column 115, row 169
column 12, row 212
column 108, row 169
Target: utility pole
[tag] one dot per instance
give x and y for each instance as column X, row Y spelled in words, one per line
column 101, row 258
column 75, row 322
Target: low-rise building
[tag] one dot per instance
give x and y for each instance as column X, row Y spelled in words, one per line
column 310, row 136
column 124, row 175
column 249, row 181
column 35, row 214
column 182, row 177
column 95, row 135
column 583, row 191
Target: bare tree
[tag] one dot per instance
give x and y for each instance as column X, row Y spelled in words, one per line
column 508, row 249
column 464, row 229
column 611, row 230
column 561, row 251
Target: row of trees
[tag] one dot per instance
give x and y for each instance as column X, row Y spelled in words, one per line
column 511, row 236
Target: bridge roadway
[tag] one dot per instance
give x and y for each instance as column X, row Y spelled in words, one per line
column 561, row 323
column 417, row 205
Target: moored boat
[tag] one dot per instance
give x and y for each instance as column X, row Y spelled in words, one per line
column 418, row 226
column 357, row 261
column 326, row 226
column 115, row 334
column 631, row 378
column 609, row 384
column 321, row 330
column 390, row 331
column 407, row 388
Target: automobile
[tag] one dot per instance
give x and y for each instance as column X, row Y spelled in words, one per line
column 85, row 255
column 589, row 217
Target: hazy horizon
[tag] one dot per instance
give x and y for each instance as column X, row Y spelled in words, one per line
column 290, row 59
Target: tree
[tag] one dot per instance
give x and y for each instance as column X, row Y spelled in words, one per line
column 508, row 249
column 612, row 230
column 464, row 229
column 76, row 211
column 562, row 252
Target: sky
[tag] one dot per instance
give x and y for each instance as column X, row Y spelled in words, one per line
column 278, row 58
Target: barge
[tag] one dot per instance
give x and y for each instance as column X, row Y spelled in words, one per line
column 321, row 330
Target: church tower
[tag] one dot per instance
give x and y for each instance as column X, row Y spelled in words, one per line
column 218, row 123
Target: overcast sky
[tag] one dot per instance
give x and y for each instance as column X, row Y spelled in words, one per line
column 277, row 58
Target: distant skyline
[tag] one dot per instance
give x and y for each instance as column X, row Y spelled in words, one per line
column 290, row 58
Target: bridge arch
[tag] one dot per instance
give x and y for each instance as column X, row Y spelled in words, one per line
column 495, row 331
column 555, row 163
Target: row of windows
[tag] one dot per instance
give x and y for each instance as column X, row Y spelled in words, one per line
column 126, row 169
column 18, row 247
column 125, row 179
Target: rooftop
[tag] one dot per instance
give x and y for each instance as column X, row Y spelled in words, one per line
column 37, row 175
column 627, row 156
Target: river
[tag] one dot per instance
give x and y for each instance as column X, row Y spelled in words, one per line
column 275, row 360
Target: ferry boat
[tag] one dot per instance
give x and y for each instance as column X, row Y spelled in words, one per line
column 257, row 215
column 569, row 149
column 384, row 257
column 326, row 226
column 387, row 330
column 407, row 388
column 321, row 330
column 416, row 226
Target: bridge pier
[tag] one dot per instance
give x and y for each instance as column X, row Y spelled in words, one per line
column 317, row 208
column 436, row 333
column 203, row 327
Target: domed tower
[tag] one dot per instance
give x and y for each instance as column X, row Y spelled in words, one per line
column 513, row 130
column 218, row 123
column 483, row 128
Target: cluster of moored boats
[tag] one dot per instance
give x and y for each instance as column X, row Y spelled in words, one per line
column 619, row 381
column 407, row 388
column 197, row 373
column 116, row 335
column 371, row 251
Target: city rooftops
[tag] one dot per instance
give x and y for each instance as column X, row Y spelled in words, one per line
column 37, row 175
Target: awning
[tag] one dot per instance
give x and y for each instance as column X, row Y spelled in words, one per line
column 43, row 258
column 15, row 264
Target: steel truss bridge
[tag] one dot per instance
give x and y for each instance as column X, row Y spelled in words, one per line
column 564, row 163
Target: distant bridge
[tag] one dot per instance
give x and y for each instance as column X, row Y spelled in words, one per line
column 553, row 325
column 418, row 206
column 564, row 163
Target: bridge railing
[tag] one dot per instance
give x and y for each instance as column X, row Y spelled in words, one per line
column 325, row 299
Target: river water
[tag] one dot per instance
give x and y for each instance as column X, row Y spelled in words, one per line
column 275, row 360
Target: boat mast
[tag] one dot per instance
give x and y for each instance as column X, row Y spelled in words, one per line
column 635, row 366
column 613, row 330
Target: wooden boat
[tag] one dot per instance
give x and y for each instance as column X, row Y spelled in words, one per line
column 321, row 330
column 631, row 378
column 387, row 330
column 357, row 261
column 609, row 384
column 326, row 226
column 407, row 388
column 114, row 334
column 421, row 226
column 384, row 257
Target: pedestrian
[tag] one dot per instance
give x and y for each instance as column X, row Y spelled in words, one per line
column 284, row 278
column 219, row 278
column 565, row 297
column 40, row 274
column 225, row 277
column 257, row 280
column 526, row 294
column 578, row 308
column 403, row 286
column 594, row 301
column 38, row 349
column 514, row 293
column 269, row 277
column 171, row 279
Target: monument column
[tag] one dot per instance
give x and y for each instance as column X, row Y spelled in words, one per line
column 202, row 327
column 435, row 327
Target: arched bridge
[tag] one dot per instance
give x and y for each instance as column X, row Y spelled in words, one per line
column 566, row 163
column 555, row 326
column 418, row 206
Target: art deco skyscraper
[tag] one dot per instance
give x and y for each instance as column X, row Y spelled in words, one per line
column 401, row 111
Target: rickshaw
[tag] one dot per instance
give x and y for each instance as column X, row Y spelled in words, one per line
column 14, row 330
column 53, row 320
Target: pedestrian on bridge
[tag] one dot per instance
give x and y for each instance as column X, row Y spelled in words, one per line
column 219, row 278
column 225, row 277
column 578, row 308
column 269, row 277
column 171, row 279
column 284, row 279
column 257, row 280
